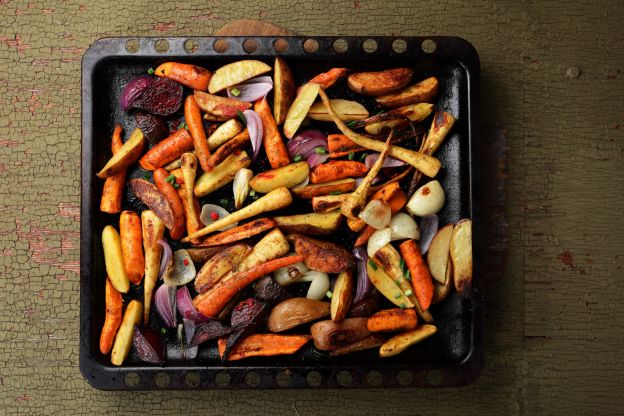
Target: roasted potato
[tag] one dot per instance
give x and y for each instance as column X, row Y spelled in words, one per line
column 123, row 339
column 299, row 108
column 342, row 296
column 287, row 176
column 296, row 311
column 381, row 82
column 345, row 109
column 283, row 90
column 310, row 224
column 371, row 341
column 272, row 246
column 221, row 263
column 151, row 196
column 221, row 175
column 401, row 342
column 235, row 73
column 329, row 335
column 113, row 258
column 203, row 254
column 438, row 255
column 222, row 108
column 224, row 133
column 125, row 156
column 328, row 203
column 441, row 291
column 461, row 254
column 322, row 256
column 387, row 286
column 424, row 91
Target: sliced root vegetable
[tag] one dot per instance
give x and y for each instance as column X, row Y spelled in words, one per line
column 345, row 109
column 284, row 92
column 112, row 318
column 164, row 181
column 393, row 320
column 421, row 92
column 325, row 188
column 380, row 82
column 296, row 311
column 428, row 199
column 329, row 78
column 240, row 141
column 235, row 73
column 149, row 345
column 337, row 169
column 421, row 278
column 239, row 233
column 264, row 345
column 220, row 264
column 270, row 247
column 322, row 256
column 438, row 256
column 441, row 291
column 401, row 342
column 329, row 335
column 328, row 203
column 167, row 150
column 377, row 240
column 113, row 258
column 132, row 245
column 188, row 165
column 342, row 296
column 123, row 339
column 299, row 108
column 192, row 76
column 387, row 285
column 211, row 213
column 133, row 90
column 223, row 174
column 272, row 139
column 399, row 118
column 224, row 132
column 192, row 116
column 340, row 145
column 425, row 163
column 153, row 229
column 310, row 224
column 461, row 254
column 222, row 108
column 112, row 192
column 125, row 156
column 286, row 176
column 371, row 341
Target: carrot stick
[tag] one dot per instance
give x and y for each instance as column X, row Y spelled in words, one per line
column 238, row 142
column 170, row 194
column 393, row 195
column 112, row 193
column 238, row 233
column 337, row 169
column 192, row 76
column 263, row 345
column 132, row 245
column 167, row 151
column 113, row 317
column 393, row 320
column 421, row 278
column 192, row 115
column 329, row 78
column 339, row 143
column 273, row 144
column 212, row 301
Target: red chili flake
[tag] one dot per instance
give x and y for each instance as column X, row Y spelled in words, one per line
column 186, row 262
column 179, row 181
column 214, row 216
column 237, row 152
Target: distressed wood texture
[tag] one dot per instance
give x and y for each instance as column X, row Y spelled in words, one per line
column 552, row 123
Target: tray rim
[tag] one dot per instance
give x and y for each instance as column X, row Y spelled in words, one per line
column 98, row 375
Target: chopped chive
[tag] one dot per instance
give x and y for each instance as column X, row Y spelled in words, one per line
column 241, row 116
column 407, row 276
column 329, row 294
column 351, row 156
column 408, row 292
column 223, row 201
column 162, row 330
column 380, row 112
column 363, row 157
column 402, row 305
column 351, row 123
column 252, row 192
column 235, row 92
column 297, row 158
column 335, row 193
column 397, row 282
column 146, row 175
column 176, row 185
column 403, row 267
column 151, row 71
column 170, row 178
column 372, row 264
column 397, row 295
column 183, row 126
column 320, row 151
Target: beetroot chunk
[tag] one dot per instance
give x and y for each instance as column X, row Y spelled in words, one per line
column 162, row 97
column 154, row 128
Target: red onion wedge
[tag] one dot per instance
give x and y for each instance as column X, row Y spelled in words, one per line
column 165, row 300
column 428, row 229
column 316, row 159
column 184, row 304
column 251, row 90
column 254, row 126
column 166, row 257
column 133, row 90
column 364, row 286
column 389, row 162
column 304, row 144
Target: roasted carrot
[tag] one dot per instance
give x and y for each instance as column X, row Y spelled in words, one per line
column 263, row 345
column 238, row 142
column 170, row 194
column 167, row 151
column 337, row 169
column 273, row 143
column 421, row 278
column 112, row 193
column 238, row 233
column 185, row 177
column 211, row 302
column 326, row 188
column 393, row 195
column 192, row 76
column 340, row 145
column 192, row 115
column 113, row 317
column 395, row 319
column 329, row 78
column 132, row 245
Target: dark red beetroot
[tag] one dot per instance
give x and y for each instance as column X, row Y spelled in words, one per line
column 209, row 330
column 365, row 307
column 154, row 128
column 149, row 345
column 270, row 291
column 247, row 316
column 162, row 97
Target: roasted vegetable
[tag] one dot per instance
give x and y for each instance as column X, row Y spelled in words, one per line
column 132, row 246
column 328, row 203
column 329, row 78
column 342, row 296
column 380, row 82
column 387, row 286
column 310, row 224
column 299, row 108
column 287, row 176
column 424, row 91
column 124, row 156
column 438, row 255
column 269, row 290
column 337, row 169
column 428, row 199
column 441, row 290
column 401, row 342
column 167, row 190
column 399, row 118
column 330, row 335
column 272, row 139
column 284, row 90
column 247, row 316
column 189, row 202
column 296, row 311
column 192, row 116
column 123, row 339
column 421, row 278
column 217, row 266
column 461, row 254
column 113, row 258
column 322, row 256
column 224, row 132
column 345, row 109
column 264, row 345
column 393, row 320
column 153, row 229
column 206, row 331
column 235, row 73
column 270, row 247
column 167, row 151
column 203, row 254
column 149, row 194
column 192, row 76
column 162, row 97
column 154, row 128
column 241, row 232
column 221, row 175
column 149, row 345
column 113, row 317
column 371, row 341
column 223, row 108
column 112, row 192
column 333, row 187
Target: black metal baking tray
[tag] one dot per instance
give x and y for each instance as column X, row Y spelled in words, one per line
column 453, row 357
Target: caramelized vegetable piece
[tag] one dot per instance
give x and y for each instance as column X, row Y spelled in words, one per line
column 424, row 91
column 247, row 316
column 342, row 296
column 125, row 156
column 149, row 345
column 153, row 230
column 286, row 176
column 421, row 278
column 112, row 192
column 264, row 345
column 113, row 317
column 241, row 232
column 329, row 78
column 223, row 174
column 132, row 245
column 154, row 128
column 172, row 198
column 337, row 169
column 240, row 141
column 203, row 254
column 461, row 254
column 328, row 203
column 269, row 290
column 235, row 73
column 284, row 90
column 192, row 116
column 221, row 263
column 272, row 139
column 380, row 82
column 168, row 150
column 296, row 311
column 391, row 320
column 223, row 108
column 113, row 258
column 192, row 76
column 310, row 224
column 123, row 339
column 149, row 194
column 322, row 256
column 319, row 189
column 206, row 331
column 401, row 342
column 330, row 335
column 162, row 97
column 371, row 341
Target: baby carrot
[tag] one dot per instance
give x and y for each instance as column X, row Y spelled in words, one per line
column 192, row 76
column 170, row 194
column 421, row 278
column 192, row 115
column 337, row 169
column 113, row 317
column 273, row 143
column 132, row 245
column 167, row 151
column 112, row 193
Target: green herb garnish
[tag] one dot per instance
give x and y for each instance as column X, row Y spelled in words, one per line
column 241, row 116
column 408, row 292
column 329, row 294
column 402, row 305
column 320, row 151
column 146, row 175
column 372, row 264
column 176, row 185
column 252, row 192
column 351, row 156
column 183, row 126
column 335, row 192
column 223, row 201
column 235, row 92
column 380, row 112
column 397, row 282
column 170, row 178
column 351, row 123
column 151, row 71
column 403, row 266
column 397, row 295
column 162, row 330
column 297, row 158
column 363, row 157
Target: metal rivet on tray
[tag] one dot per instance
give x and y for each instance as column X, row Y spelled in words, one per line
column 221, row 45
column 341, row 45
column 192, row 379
column 374, row 378
column 399, row 45
column 280, row 45
column 132, row 46
column 434, row 377
column 161, row 379
column 191, row 45
column 344, row 378
column 283, row 379
column 369, row 45
column 311, row 45
column 132, row 379
column 404, row 377
column 252, row 379
column 428, row 46
column 250, row 45
column 161, row 45
column 573, row 72
column 222, row 379
column 314, row 378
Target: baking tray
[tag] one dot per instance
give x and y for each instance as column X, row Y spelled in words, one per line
column 453, row 357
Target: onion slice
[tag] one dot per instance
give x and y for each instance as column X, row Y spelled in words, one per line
column 403, row 226
column 207, row 215
column 303, row 183
column 252, row 90
column 428, row 229
column 254, row 126
column 304, row 144
column 189, row 331
column 316, row 159
column 181, row 270
column 166, row 257
column 319, row 284
column 377, row 240
column 389, row 162
column 240, row 186
column 376, row 214
column 364, row 286
column 165, row 300
column 184, row 304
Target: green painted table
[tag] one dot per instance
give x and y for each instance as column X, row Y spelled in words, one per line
column 552, row 124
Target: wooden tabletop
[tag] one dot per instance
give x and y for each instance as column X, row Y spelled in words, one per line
column 552, row 117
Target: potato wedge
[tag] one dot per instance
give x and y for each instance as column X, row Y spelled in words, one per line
column 325, row 188
column 235, row 73
column 328, row 203
column 441, row 291
column 220, row 107
column 424, row 91
column 151, row 196
column 270, row 247
column 125, row 156
column 113, row 258
column 322, row 256
column 371, row 341
column 296, row 311
column 123, row 339
column 401, row 342
column 438, row 255
column 287, row 176
column 461, row 254
column 342, row 296
column 345, row 109
column 221, row 175
column 153, row 229
column 217, row 266
column 299, row 108
column 415, row 113
column 380, row 82
column 386, row 285
column 329, row 335
column 203, row 254
column 310, row 224
column 283, row 90
column 224, row 133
